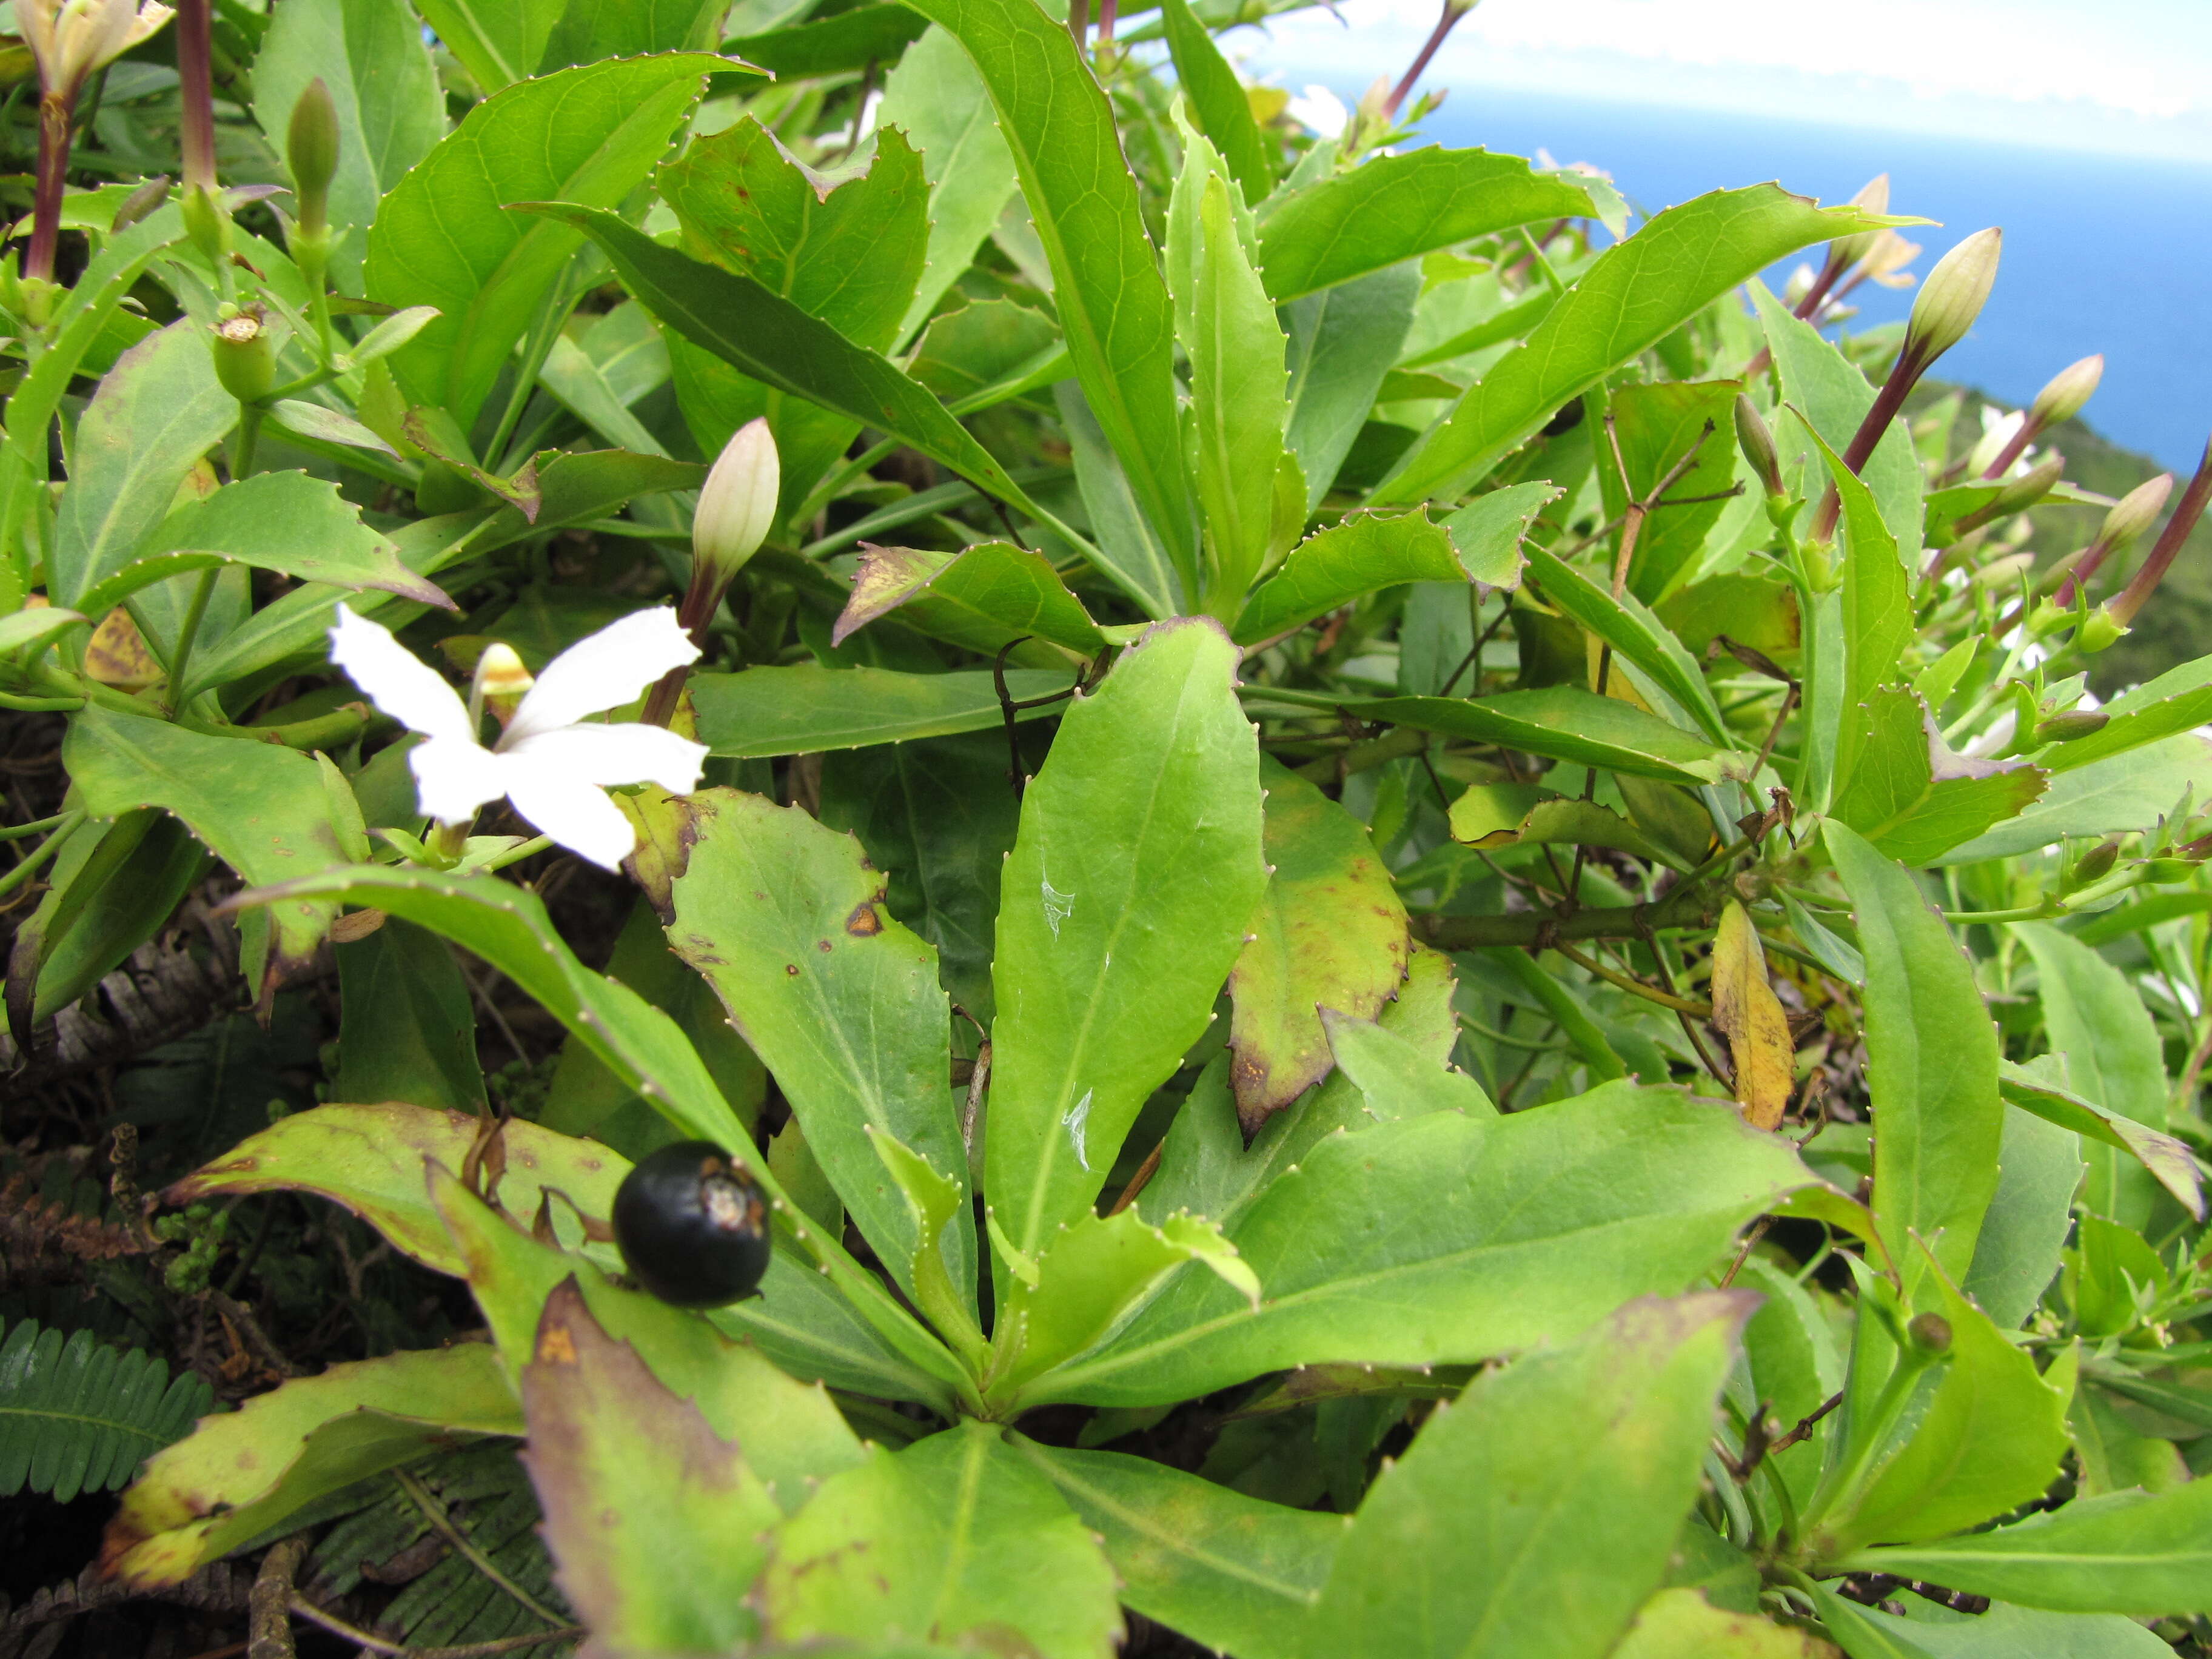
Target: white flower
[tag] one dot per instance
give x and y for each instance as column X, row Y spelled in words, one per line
column 552, row 763
column 71, row 38
column 1320, row 112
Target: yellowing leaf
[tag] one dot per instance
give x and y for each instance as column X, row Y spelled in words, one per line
column 1749, row 1015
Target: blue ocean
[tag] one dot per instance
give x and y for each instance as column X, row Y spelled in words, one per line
column 2101, row 253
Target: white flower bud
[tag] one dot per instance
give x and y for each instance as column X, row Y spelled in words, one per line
column 2137, row 511
column 71, row 38
column 1953, row 296
column 1847, row 251
column 736, row 506
column 2067, row 390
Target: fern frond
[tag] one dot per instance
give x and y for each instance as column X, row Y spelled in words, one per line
column 78, row 1416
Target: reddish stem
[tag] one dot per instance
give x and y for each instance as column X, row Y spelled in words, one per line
column 1398, row 94
column 195, row 73
column 2167, row 549
column 52, row 179
column 1895, row 389
column 1107, row 9
column 2030, row 429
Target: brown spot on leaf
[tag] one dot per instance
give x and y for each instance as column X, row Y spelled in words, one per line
column 792, row 969
column 864, row 922
column 556, row 1346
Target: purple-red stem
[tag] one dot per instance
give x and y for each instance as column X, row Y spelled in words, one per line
column 197, row 93
column 2030, row 429
column 1106, row 12
column 1398, row 94
column 2167, row 549
column 1887, row 402
column 52, row 179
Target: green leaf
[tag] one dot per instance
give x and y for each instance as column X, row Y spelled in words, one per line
column 655, row 1521
column 1987, row 1439
column 1656, row 427
column 590, row 30
column 1229, row 1572
column 637, row 1043
column 1682, row 1624
column 1834, row 396
column 1455, row 1238
column 956, row 1535
column 1875, row 614
column 937, row 818
column 2038, row 1087
column 936, row 98
column 407, row 1031
column 1238, row 377
column 2130, row 1552
column 2016, row 1257
column 21, row 630
column 371, row 57
column 1124, row 906
column 785, row 918
column 1367, row 550
column 986, row 350
column 1912, row 795
column 1637, row 293
column 792, row 1434
column 1094, row 1273
column 260, row 807
column 1636, row 636
column 1343, row 341
column 2117, row 795
column 848, row 256
column 1082, row 196
column 1129, row 552
column 1931, row 1065
column 369, row 1159
column 1494, row 815
column 244, row 1473
column 1536, row 1513
column 1562, row 722
column 2109, row 1055
column 78, row 1416
column 282, row 521
column 1397, row 1079
column 761, row 712
column 2179, row 699
column 1397, row 207
column 498, row 44
column 1217, row 99
column 601, row 374
column 588, row 135
column 843, row 43
column 776, row 342
column 1752, row 608
column 1489, row 530
column 156, row 413
column 1864, row 1634
column 983, row 596
column 1329, row 933
column 2002, row 1633
column 586, row 1098
column 113, row 888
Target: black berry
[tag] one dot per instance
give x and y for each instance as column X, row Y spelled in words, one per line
column 692, row 1226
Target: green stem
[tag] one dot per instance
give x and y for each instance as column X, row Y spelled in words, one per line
column 40, row 705
column 1841, row 1487
column 244, row 443
column 181, row 659
column 17, row 832
column 35, row 861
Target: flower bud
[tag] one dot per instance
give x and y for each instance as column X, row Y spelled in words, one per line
column 2100, row 632
column 2095, row 864
column 1953, row 296
column 2137, row 511
column 2064, row 395
column 2073, row 724
column 245, row 355
column 2017, row 496
column 737, row 505
column 310, row 149
column 1847, row 251
column 1929, row 1332
column 501, row 679
column 140, row 202
column 206, row 221
column 1756, row 438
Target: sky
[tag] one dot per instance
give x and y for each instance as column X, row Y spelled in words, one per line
column 2111, row 77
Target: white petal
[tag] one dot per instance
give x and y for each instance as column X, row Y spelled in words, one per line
column 398, row 681
column 454, row 777
column 604, row 672
column 576, row 814
column 609, row 755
